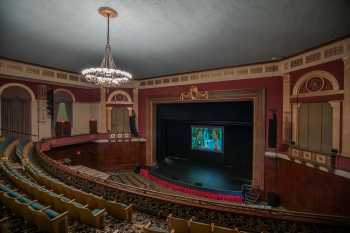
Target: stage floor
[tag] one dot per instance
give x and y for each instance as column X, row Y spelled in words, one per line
column 199, row 175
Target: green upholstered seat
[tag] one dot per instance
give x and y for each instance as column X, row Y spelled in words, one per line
column 77, row 204
column 5, row 188
column 51, row 213
column 23, row 200
column 14, row 194
column 37, row 206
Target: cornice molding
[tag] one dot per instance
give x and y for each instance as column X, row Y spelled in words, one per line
column 326, row 53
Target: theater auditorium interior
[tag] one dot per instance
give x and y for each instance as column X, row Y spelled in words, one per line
column 162, row 116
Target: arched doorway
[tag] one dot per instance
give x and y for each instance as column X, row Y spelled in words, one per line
column 16, row 112
column 63, row 113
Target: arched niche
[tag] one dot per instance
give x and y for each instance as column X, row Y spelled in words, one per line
column 18, row 98
column 119, row 97
column 63, row 110
column 317, row 84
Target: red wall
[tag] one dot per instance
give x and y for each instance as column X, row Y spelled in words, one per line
column 272, row 85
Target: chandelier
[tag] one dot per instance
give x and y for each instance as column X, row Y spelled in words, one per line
column 107, row 75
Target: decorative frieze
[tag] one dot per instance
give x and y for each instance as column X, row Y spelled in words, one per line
column 313, row 57
column 314, row 158
column 48, row 73
column 296, row 62
column 333, row 51
column 193, row 94
column 34, row 72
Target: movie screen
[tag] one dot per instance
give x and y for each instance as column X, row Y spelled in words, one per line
column 207, row 138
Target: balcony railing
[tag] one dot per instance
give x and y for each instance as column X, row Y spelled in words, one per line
column 316, row 159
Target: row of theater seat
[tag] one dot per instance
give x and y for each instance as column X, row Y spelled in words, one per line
column 77, row 211
column 44, row 217
column 116, row 209
column 176, row 225
column 179, row 225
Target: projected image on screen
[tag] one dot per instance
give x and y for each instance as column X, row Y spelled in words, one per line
column 207, row 138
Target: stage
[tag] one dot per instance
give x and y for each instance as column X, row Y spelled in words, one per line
column 199, row 175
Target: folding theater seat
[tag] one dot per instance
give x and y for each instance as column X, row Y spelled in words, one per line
column 94, row 217
column 120, row 210
column 4, row 225
column 178, row 225
column 199, row 227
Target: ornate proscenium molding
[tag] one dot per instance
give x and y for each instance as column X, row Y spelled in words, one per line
column 194, row 94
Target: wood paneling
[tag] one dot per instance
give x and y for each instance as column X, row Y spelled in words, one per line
column 302, row 188
column 102, row 156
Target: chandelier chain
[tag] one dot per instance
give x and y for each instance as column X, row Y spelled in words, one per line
column 107, row 75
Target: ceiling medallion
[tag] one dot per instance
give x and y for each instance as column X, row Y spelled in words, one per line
column 107, row 75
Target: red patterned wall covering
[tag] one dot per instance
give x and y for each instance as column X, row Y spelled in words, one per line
column 302, row 188
column 336, row 68
column 272, row 85
column 81, row 94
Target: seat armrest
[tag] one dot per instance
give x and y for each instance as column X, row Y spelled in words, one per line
column 131, row 206
column 59, row 216
column 47, row 207
column 100, row 212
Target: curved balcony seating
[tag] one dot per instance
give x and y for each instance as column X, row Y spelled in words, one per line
column 45, row 218
column 76, row 210
column 116, row 209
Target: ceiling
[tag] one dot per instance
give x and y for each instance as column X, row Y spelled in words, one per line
column 158, row 37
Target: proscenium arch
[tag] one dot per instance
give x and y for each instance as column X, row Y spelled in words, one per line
column 312, row 74
column 34, row 115
column 124, row 93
